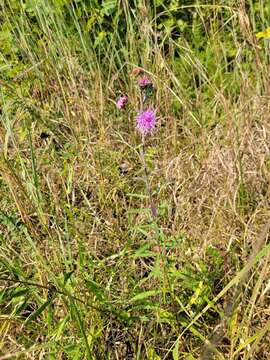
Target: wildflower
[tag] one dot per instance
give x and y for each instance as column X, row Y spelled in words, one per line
column 146, row 121
column 121, row 102
column 144, row 82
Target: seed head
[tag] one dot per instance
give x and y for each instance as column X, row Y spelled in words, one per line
column 137, row 71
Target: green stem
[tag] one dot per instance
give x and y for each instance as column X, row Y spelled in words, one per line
column 147, row 182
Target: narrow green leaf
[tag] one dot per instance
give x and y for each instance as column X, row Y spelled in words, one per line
column 176, row 351
column 22, row 306
column 67, row 276
column 96, row 290
column 144, row 251
column 81, row 326
column 139, row 196
column 36, row 313
column 144, row 295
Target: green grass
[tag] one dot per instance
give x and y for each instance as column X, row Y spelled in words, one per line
column 85, row 271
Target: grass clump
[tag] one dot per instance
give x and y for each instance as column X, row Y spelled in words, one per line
column 119, row 242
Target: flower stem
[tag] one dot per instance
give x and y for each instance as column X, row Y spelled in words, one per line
column 146, row 179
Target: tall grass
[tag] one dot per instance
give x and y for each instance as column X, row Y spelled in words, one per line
column 85, row 271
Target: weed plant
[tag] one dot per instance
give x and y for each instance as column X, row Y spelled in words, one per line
column 94, row 264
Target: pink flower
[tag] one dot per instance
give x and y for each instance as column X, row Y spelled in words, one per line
column 121, row 102
column 144, row 81
column 146, row 121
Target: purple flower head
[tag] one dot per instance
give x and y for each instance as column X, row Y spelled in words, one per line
column 144, row 81
column 121, row 102
column 146, row 121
